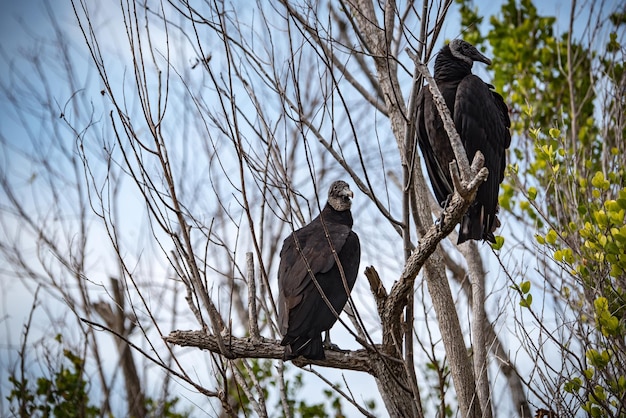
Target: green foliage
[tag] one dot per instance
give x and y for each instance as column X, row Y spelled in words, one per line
column 264, row 374
column 470, row 21
column 567, row 177
column 437, row 378
column 573, row 385
column 524, row 290
column 165, row 409
column 595, row 255
column 498, row 244
column 304, row 408
column 63, row 395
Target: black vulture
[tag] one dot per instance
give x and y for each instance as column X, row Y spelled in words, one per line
column 482, row 120
column 306, row 258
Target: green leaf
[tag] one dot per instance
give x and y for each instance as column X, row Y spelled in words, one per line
column 499, row 243
column 525, row 303
column 599, row 393
column 558, row 255
column 573, row 385
column 525, row 286
column 554, row 132
column 599, row 182
column 597, row 359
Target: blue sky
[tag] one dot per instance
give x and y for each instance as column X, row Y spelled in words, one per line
column 20, row 18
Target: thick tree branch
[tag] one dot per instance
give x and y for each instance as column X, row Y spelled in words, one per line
column 358, row 360
column 450, row 217
column 378, row 39
column 476, row 273
column 494, row 344
column 426, row 254
column 115, row 316
column 378, row 290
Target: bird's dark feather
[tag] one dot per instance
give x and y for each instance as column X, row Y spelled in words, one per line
column 482, row 121
column 303, row 314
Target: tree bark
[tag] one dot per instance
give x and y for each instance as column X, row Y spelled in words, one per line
column 450, row 327
column 476, row 273
column 357, row 360
column 114, row 315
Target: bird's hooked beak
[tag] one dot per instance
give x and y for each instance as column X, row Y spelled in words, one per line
column 346, row 193
column 467, row 52
column 477, row 56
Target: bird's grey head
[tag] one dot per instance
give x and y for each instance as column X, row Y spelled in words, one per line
column 467, row 52
column 339, row 196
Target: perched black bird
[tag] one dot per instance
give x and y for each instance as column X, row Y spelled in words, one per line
column 482, row 120
column 307, row 257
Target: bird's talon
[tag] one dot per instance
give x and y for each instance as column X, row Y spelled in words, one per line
column 331, row 346
column 446, row 202
column 439, row 221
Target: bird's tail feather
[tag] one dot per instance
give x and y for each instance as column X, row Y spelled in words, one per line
column 311, row 348
column 476, row 225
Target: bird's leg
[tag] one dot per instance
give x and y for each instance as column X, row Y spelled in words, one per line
column 328, row 345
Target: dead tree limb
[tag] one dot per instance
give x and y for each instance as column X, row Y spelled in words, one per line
column 357, row 360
